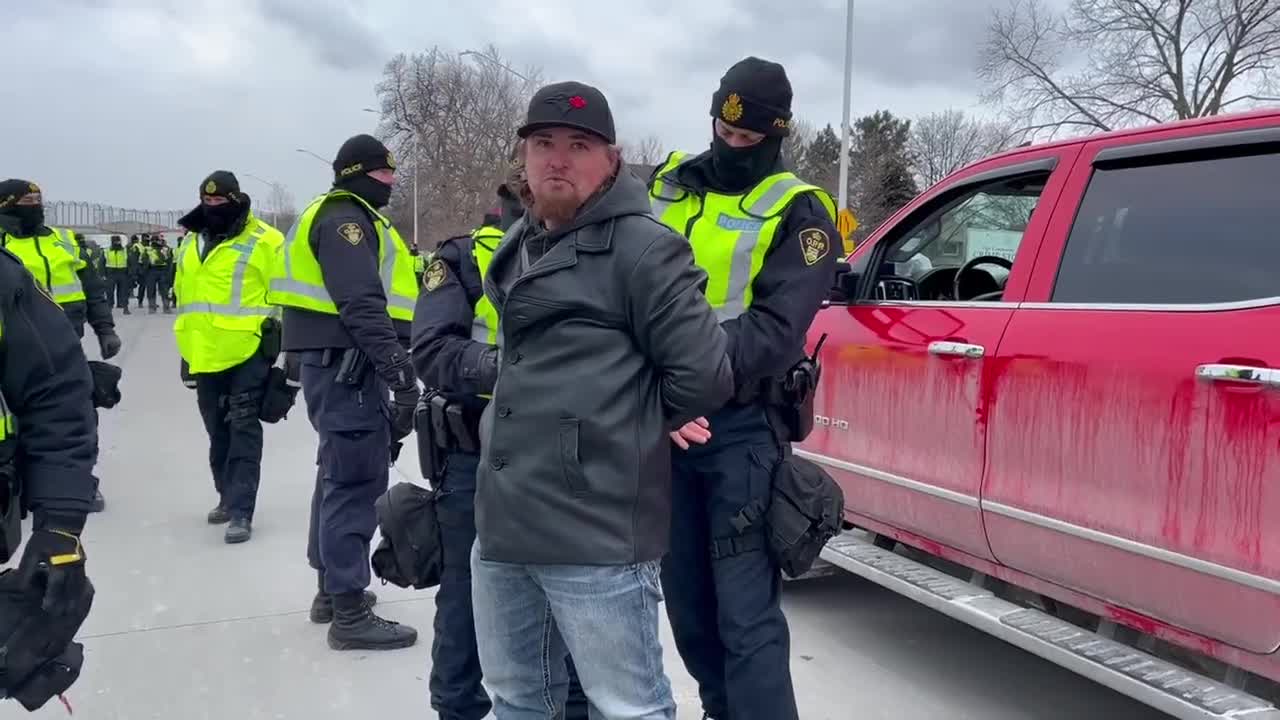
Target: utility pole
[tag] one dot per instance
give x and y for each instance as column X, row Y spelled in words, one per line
column 848, row 93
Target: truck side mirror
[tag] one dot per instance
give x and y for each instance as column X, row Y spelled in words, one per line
column 846, row 284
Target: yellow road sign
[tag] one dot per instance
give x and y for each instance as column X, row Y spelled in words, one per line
column 846, row 224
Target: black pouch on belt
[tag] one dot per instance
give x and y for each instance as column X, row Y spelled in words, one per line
column 806, row 509
column 430, row 453
column 106, row 383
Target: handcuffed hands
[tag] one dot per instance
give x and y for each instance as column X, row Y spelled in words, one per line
column 695, row 431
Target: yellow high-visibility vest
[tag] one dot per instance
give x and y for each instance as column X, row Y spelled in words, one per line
column 298, row 282
column 117, row 259
column 729, row 233
column 484, row 325
column 54, row 260
column 222, row 299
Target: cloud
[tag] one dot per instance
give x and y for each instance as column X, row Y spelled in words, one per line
column 145, row 97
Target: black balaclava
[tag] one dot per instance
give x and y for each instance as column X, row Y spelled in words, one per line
column 25, row 220
column 225, row 219
column 117, row 242
column 357, row 157
column 754, row 95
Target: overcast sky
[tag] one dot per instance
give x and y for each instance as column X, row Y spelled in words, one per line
column 133, row 102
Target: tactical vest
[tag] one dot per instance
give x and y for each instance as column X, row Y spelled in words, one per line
column 54, row 260
column 484, row 324
column 222, row 299
column 159, row 257
column 730, row 234
column 298, row 281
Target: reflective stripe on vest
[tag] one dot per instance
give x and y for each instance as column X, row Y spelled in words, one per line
column 484, row 323
column 729, row 234
column 290, row 290
column 235, row 307
column 54, row 261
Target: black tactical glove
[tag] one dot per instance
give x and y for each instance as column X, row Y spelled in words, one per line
column 52, row 568
column 106, row 383
column 109, row 343
column 403, row 404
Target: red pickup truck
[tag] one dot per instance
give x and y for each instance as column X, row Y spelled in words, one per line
column 1051, row 394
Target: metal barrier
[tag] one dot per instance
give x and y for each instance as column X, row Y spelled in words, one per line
column 68, row 213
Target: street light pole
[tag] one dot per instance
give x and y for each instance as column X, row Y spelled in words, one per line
column 495, row 62
column 844, row 123
column 275, row 214
column 308, row 152
column 414, row 153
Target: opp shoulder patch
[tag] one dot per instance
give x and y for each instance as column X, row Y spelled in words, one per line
column 351, row 232
column 815, row 245
column 434, row 275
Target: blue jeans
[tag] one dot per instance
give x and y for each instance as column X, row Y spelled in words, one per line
column 529, row 618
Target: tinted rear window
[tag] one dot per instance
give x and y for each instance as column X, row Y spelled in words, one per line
column 1196, row 231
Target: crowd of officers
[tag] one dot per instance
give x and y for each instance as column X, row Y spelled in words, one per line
column 344, row 311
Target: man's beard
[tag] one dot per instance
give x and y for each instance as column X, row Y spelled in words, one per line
column 559, row 208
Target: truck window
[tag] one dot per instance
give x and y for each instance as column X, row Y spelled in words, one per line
column 1195, row 231
column 987, row 221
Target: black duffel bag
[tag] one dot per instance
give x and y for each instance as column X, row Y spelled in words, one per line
column 806, row 510
column 410, row 553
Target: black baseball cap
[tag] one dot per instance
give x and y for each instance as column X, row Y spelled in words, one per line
column 572, row 105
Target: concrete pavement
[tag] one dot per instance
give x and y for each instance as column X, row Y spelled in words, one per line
column 185, row 627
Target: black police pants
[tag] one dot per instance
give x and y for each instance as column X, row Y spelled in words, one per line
column 229, row 403
column 352, row 469
column 455, row 684
column 141, row 279
column 723, row 590
column 157, row 284
column 118, row 286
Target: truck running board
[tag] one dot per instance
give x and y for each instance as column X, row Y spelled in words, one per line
column 1145, row 678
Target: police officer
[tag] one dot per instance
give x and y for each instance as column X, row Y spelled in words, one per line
column 159, row 274
column 224, row 331
column 59, row 264
column 454, row 353
column 765, row 239
column 117, row 263
column 48, row 446
column 142, row 266
column 345, row 280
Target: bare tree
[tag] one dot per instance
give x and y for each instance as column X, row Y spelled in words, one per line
column 281, row 207
column 1144, row 61
column 452, row 120
column 946, row 141
column 648, row 150
column 797, row 143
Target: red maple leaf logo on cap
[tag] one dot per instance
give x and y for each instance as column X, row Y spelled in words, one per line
column 577, row 103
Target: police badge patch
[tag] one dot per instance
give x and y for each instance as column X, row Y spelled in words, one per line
column 434, row 276
column 815, row 245
column 351, row 232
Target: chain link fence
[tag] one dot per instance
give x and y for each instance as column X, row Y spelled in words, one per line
column 65, row 213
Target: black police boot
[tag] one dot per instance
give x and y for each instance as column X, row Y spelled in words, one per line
column 240, row 530
column 355, row 627
column 151, row 311
column 218, row 515
column 126, row 310
column 99, row 502
column 322, row 603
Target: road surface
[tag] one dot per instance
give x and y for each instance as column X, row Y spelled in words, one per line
column 185, row 627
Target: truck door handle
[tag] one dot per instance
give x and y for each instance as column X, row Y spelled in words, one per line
column 1269, row 377
column 965, row 350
